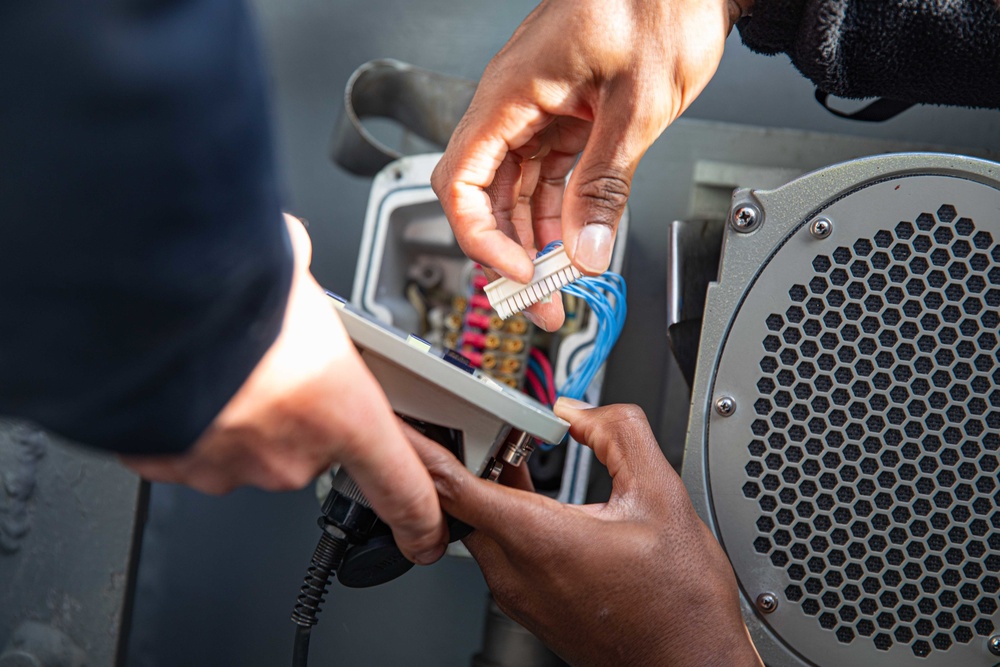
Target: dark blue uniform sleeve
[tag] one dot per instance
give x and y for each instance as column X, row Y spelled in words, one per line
column 144, row 264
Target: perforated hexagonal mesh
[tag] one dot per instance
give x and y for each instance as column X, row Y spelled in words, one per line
column 874, row 455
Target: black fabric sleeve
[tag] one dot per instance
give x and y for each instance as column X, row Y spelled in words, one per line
column 925, row 51
column 144, row 264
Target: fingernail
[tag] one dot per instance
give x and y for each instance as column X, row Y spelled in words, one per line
column 429, row 556
column 572, row 403
column 593, row 248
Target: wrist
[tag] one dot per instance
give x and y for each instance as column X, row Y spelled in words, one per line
column 712, row 631
column 730, row 646
column 739, row 9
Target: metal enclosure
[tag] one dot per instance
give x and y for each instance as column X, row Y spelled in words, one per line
column 845, row 428
column 69, row 529
column 405, row 229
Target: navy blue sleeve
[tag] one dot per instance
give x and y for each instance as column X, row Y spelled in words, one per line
column 144, row 264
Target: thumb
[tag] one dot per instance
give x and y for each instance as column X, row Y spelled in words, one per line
column 391, row 476
column 486, row 506
column 622, row 440
column 600, row 185
column 301, row 243
column 378, row 456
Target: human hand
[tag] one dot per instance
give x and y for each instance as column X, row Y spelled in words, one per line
column 310, row 402
column 638, row 580
column 598, row 79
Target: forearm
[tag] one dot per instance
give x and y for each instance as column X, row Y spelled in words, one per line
column 930, row 52
column 144, row 263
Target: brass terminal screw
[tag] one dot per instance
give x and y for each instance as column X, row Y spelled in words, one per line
column 513, row 345
column 518, row 325
column 510, row 365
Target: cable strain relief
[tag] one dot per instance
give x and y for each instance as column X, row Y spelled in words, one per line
column 327, row 557
column 345, row 485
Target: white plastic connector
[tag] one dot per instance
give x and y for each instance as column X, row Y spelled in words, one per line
column 553, row 271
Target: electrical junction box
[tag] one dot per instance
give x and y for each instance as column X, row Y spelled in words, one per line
column 413, row 276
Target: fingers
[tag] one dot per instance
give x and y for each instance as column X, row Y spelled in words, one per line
column 516, row 477
column 622, row 440
column 548, row 316
column 301, row 243
column 504, row 194
column 500, row 512
column 547, row 199
column 600, row 185
column 391, row 475
column 345, row 417
column 153, row 469
column 529, row 171
column 476, row 151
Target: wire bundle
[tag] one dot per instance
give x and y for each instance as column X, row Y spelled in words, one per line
column 540, row 378
column 606, row 295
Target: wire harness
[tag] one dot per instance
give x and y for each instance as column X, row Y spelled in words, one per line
column 604, row 294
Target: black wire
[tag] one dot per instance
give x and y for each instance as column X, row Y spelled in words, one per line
column 300, row 653
column 325, row 560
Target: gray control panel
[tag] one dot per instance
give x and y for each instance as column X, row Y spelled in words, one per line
column 438, row 386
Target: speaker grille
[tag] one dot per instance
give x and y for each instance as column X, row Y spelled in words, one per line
column 874, row 450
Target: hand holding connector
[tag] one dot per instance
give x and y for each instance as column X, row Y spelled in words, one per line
column 553, row 271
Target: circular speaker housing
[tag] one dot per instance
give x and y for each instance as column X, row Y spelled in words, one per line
column 857, row 480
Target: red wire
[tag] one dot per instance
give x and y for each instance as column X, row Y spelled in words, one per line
column 550, row 381
column 536, row 387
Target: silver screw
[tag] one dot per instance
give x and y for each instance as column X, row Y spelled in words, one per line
column 767, row 602
column 821, row 228
column 993, row 643
column 725, row 406
column 745, row 218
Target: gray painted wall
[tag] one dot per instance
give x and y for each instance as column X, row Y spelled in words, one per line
column 218, row 576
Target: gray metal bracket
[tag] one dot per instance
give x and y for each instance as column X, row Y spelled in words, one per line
column 426, row 103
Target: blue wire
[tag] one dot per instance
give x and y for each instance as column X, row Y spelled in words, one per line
column 606, row 296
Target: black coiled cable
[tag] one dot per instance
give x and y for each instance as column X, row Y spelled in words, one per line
column 326, row 558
